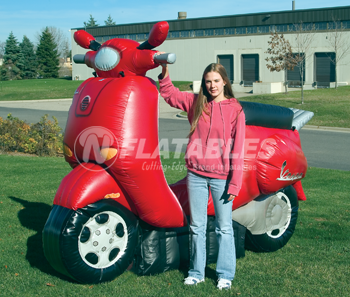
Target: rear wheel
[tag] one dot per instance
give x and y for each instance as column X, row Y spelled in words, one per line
column 281, row 219
column 93, row 244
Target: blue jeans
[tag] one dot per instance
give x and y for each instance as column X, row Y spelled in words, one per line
column 198, row 191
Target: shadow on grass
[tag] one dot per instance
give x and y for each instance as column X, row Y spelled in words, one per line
column 33, row 216
column 66, row 78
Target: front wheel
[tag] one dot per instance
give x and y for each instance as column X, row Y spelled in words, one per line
column 281, row 218
column 93, row 244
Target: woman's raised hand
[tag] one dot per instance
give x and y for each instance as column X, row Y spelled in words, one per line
column 165, row 70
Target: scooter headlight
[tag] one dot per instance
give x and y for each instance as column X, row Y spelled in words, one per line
column 106, row 59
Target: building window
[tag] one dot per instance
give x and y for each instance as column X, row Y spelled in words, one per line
column 208, row 32
column 140, row 36
column 99, row 39
column 219, row 32
column 230, row 31
column 264, row 29
column 334, row 25
column 293, row 27
column 307, row 26
column 345, row 24
column 184, row 33
column 175, row 34
column 252, row 30
column 281, row 28
column 199, row 33
column 321, row 26
column 241, row 30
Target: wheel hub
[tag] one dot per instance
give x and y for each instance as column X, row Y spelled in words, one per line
column 103, row 239
column 278, row 215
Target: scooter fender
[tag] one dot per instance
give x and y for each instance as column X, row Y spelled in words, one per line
column 88, row 183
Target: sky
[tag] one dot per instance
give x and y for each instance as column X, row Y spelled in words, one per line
column 29, row 18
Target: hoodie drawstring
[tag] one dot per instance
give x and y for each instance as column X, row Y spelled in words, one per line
column 223, row 122
column 211, row 123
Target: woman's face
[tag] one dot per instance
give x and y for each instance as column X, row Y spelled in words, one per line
column 215, row 85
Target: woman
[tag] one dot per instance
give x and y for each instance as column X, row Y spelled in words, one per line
column 214, row 158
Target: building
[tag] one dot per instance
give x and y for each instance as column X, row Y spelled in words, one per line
column 239, row 42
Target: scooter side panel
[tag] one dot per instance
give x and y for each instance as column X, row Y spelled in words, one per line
column 124, row 118
column 87, row 184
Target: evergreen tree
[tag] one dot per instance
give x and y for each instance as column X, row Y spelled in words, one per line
column 47, row 55
column 12, row 60
column 109, row 21
column 91, row 22
column 30, row 63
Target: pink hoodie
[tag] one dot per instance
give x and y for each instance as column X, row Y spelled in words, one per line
column 216, row 148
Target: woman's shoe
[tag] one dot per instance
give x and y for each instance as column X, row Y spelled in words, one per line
column 192, row 281
column 224, row 284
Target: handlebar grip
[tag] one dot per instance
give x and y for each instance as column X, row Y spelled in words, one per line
column 165, row 58
column 79, row 59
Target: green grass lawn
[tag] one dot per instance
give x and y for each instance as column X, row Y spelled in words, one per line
column 315, row 262
column 35, row 89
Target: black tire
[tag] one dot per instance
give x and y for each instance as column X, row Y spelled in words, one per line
column 93, row 244
column 272, row 241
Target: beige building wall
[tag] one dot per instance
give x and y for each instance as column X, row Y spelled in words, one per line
column 194, row 54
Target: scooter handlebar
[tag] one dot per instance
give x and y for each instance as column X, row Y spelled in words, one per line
column 79, row 59
column 168, row 58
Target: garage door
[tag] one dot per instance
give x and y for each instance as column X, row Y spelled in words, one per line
column 325, row 69
column 294, row 76
column 250, row 68
column 227, row 62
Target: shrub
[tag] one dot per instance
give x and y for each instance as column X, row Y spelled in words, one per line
column 43, row 138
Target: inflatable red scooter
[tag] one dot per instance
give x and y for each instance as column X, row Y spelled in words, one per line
column 107, row 210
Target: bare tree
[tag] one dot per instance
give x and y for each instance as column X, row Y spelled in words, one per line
column 339, row 44
column 304, row 36
column 2, row 49
column 281, row 56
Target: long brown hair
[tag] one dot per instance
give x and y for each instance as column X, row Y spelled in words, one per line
column 202, row 99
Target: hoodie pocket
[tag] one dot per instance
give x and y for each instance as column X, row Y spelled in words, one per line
column 211, row 157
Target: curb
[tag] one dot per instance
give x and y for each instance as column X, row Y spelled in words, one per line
column 179, row 115
column 42, row 100
column 324, row 128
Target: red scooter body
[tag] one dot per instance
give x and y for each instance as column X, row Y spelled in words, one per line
column 115, row 206
column 111, row 117
column 113, row 121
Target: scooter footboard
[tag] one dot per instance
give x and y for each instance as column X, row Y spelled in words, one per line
column 88, row 183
